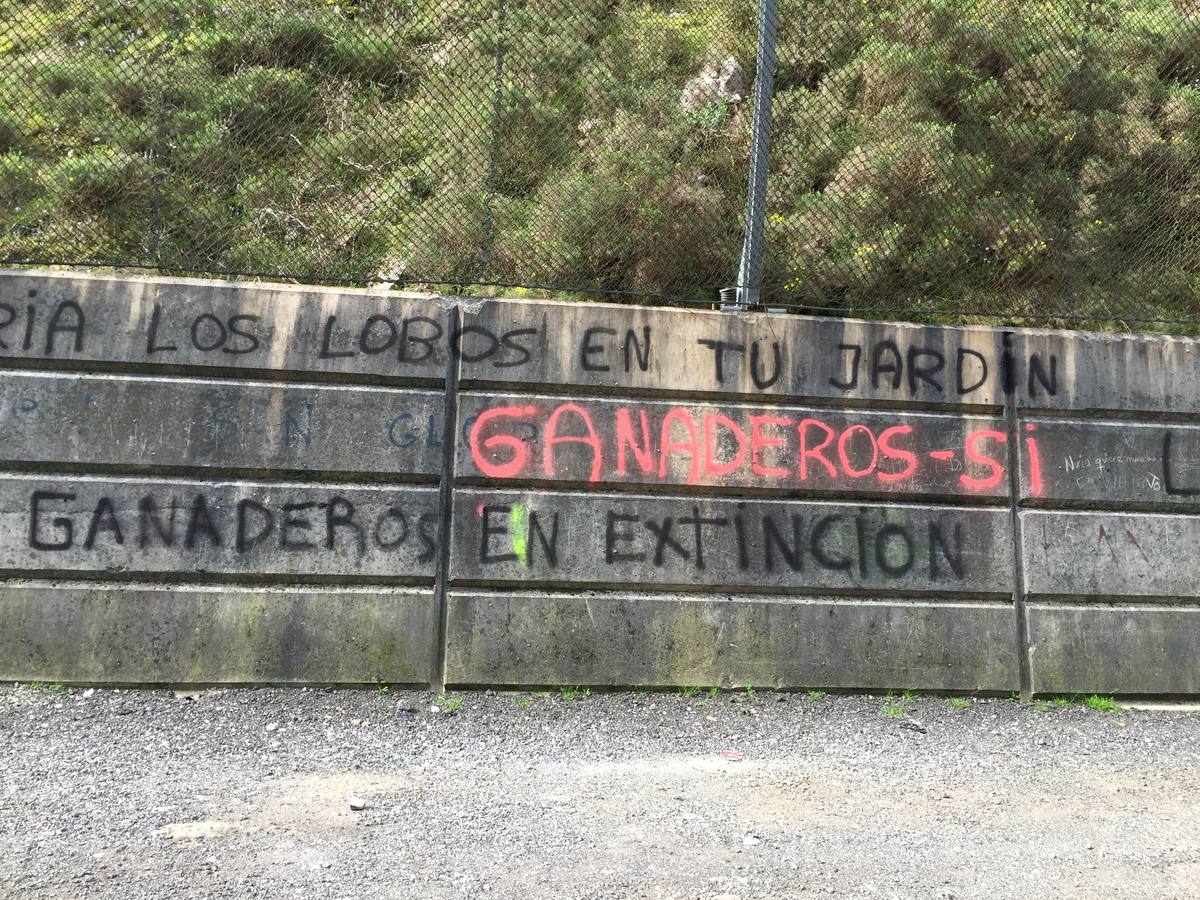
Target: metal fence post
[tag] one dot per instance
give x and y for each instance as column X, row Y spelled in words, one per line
column 749, row 287
column 492, row 186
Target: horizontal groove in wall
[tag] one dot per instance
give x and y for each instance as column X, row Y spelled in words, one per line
column 822, row 598
column 691, row 397
column 1107, row 601
column 205, row 478
column 230, row 585
column 1040, row 504
column 674, row 493
column 1157, row 512
column 727, row 492
column 202, row 380
column 300, row 377
column 221, row 474
column 176, row 578
column 728, row 591
column 1114, row 415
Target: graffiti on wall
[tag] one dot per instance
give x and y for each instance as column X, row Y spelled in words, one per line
column 725, row 413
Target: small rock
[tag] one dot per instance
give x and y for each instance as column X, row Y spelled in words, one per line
column 358, row 804
column 750, row 841
column 724, row 81
column 271, row 726
column 914, row 725
column 88, row 692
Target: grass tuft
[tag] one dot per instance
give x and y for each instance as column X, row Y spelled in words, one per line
column 1100, row 703
column 892, row 707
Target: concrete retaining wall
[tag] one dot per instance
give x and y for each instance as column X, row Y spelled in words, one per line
column 219, row 482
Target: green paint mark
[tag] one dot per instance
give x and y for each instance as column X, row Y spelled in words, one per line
column 518, row 528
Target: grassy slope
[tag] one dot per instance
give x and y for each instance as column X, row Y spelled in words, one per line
column 927, row 153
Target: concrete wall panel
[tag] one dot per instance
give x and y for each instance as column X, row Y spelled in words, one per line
column 118, row 526
column 1115, row 649
column 1107, row 554
column 675, row 640
column 753, row 448
column 1102, row 463
column 614, row 540
column 137, row 634
column 605, row 347
column 175, row 422
column 194, row 323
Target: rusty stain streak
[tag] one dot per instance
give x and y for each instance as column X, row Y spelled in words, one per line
column 1134, row 541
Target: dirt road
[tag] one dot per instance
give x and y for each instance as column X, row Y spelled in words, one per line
column 247, row 793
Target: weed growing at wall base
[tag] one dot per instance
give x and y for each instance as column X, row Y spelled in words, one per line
column 892, row 707
column 1101, row 703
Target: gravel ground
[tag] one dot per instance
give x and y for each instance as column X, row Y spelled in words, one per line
column 246, row 793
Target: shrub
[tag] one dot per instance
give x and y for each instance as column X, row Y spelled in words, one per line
column 368, row 56
column 58, row 78
column 290, row 42
column 11, row 135
column 18, row 179
column 101, row 182
column 260, row 107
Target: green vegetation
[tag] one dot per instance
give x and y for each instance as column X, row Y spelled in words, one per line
column 1061, row 702
column 689, row 691
column 978, row 153
column 574, row 693
column 713, row 693
column 524, row 702
column 816, row 695
column 960, row 702
column 892, row 707
column 1100, row 703
column 450, row 704
column 383, row 689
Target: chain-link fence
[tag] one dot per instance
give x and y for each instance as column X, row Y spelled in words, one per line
column 929, row 157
